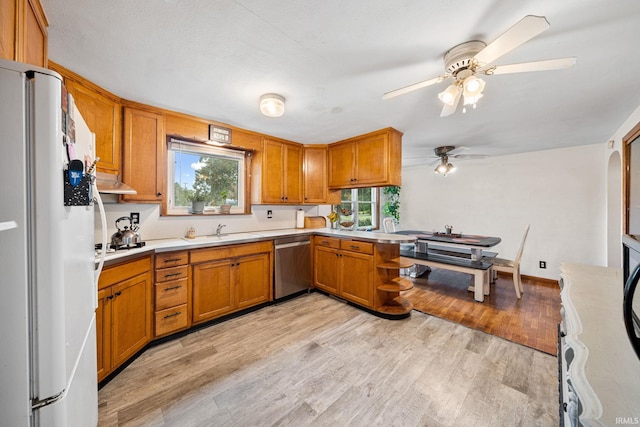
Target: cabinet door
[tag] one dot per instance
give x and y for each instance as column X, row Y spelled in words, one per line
column 341, row 165
column 272, row 172
column 292, row 173
column 372, row 159
column 144, row 153
column 315, row 174
column 35, row 34
column 212, row 290
column 326, row 269
column 8, row 29
column 103, row 332
column 131, row 317
column 356, row 281
column 252, row 280
column 104, row 117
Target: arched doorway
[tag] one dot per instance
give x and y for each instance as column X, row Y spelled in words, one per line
column 614, row 210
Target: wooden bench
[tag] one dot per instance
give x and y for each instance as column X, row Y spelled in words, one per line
column 478, row 269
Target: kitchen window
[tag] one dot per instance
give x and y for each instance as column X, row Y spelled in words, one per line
column 198, row 171
column 359, row 208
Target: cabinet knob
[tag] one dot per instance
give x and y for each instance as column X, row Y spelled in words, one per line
column 158, row 194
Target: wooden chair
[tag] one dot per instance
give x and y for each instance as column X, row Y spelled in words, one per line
column 510, row 266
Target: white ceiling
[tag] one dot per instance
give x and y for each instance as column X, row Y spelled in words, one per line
column 332, row 60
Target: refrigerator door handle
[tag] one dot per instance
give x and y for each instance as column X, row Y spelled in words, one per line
column 8, row 225
column 103, row 225
column 40, row 403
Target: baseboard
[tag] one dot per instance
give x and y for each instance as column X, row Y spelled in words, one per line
column 540, row 280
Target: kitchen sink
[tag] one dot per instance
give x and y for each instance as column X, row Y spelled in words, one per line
column 225, row 237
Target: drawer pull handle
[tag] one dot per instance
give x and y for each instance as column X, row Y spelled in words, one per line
column 168, row 316
column 172, row 288
column 325, row 242
column 354, row 247
column 172, row 275
column 172, row 260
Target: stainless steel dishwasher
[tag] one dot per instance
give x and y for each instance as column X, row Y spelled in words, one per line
column 292, row 266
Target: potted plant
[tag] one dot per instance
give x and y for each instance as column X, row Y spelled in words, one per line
column 199, row 197
column 225, row 208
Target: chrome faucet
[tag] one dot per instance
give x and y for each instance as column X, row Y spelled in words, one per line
column 219, row 229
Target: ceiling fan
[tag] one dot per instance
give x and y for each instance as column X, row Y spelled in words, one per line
column 446, row 152
column 467, row 60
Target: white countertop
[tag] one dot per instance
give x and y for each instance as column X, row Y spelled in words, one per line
column 604, row 367
column 167, row 245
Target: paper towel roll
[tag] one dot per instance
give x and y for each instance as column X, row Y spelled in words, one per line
column 299, row 218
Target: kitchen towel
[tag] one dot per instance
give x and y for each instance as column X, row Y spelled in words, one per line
column 299, row 218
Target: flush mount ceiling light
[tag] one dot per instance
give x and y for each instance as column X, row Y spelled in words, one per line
column 272, row 105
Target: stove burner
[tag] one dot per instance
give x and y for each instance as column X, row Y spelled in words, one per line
column 112, row 248
column 129, row 246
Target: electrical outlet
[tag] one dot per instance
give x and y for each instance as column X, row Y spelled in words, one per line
column 543, row 264
column 269, row 213
column 135, row 217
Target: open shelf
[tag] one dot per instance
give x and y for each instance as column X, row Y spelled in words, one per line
column 397, row 306
column 395, row 264
column 398, row 284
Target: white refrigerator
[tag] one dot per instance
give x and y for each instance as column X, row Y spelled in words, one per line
column 48, row 290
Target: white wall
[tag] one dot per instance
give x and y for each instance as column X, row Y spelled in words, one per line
column 614, row 158
column 561, row 193
column 153, row 226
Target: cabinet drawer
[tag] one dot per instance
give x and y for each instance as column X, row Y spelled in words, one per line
column 124, row 271
column 355, row 246
column 171, row 319
column 231, row 251
column 170, row 294
column 174, row 273
column 330, row 242
column 172, row 259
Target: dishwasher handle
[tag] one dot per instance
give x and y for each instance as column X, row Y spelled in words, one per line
column 291, row 245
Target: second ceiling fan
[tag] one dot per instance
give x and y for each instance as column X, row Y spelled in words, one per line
column 467, row 60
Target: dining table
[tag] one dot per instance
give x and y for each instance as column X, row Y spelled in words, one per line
column 458, row 252
column 474, row 243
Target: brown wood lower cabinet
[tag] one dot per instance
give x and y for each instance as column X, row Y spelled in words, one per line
column 344, row 268
column 123, row 317
column 231, row 278
column 172, row 291
column 361, row 272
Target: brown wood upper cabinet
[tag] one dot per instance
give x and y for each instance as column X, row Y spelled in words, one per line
column 145, row 149
column 103, row 113
column 315, row 176
column 371, row 160
column 281, row 172
column 23, row 32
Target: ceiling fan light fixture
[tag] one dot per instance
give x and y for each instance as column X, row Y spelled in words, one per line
column 272, row 105
column 444, row 167
column 450, row 94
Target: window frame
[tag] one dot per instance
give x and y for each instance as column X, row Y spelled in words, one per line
column 214, row 150
column 375, row 208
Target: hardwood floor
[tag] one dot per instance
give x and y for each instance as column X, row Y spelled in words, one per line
column 531, row 320
column 317, row 361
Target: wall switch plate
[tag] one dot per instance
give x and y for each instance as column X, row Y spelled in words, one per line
column 543, row 264
column 135, row 217
column 269, row 213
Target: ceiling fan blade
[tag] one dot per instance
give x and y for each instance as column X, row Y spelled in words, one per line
column 523, row 67
column 469, row 156
column 447, row 109
column 413, row 87
column 523, row 31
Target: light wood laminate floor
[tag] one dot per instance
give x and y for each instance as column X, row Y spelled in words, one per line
column 317, row 361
